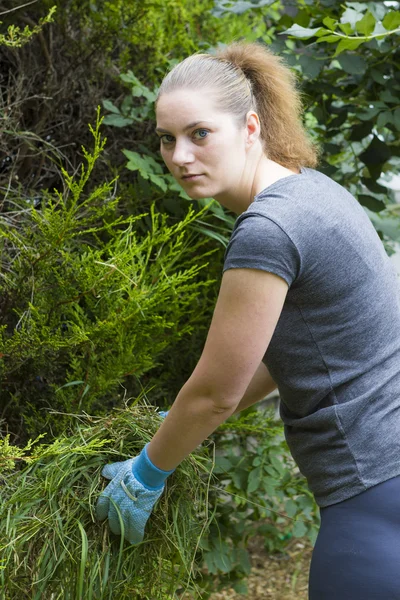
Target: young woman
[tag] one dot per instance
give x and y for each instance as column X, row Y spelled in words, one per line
column 309, row 303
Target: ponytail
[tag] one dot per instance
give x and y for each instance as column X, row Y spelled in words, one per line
column 248, row 76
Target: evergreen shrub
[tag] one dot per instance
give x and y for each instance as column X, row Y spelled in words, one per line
column 87, row 302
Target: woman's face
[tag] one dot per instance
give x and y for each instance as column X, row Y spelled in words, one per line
column 203, row 147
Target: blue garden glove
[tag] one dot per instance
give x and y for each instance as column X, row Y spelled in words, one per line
column 136, row 484
column 163, row 413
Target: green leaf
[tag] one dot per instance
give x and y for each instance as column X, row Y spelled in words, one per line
column 367, row 24
column 346, row 28
column 69, row 384
column 391, row 20
column 254, row 480
column 243, row 558
column 369, row 113
column 300, row 32
column 290, row 508
column 222, row 465
column 108, row 105
column 158, row 181
column 370, row 202
column 147, row 164
column 384, row 118
column 387, row 96
column 117, row 121
column 360, row 131
column 330, row 23
column 299, row 529
column 388, row 225
column 347, row 45
column 352, row 63
column 85, row 391
column 310, row 66
column 351, row 16
column 377, row 153
column 378, row 76
column 240, row 587
column 330, row 39
column 396, row 118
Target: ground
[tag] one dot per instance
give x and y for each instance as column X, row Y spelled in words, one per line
column 275, row 577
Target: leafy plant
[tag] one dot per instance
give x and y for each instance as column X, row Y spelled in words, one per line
column 346, row 56
column 259, row 490
column 17, row 37
column 87, row 302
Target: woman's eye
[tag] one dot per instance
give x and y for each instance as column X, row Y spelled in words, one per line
column 200, row 134
column 166, row 138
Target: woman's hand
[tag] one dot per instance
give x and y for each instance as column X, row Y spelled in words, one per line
column 127, row 502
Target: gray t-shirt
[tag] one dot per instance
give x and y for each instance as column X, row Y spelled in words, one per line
column 335, row 353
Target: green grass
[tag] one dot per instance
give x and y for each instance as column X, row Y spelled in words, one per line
column 51, row 546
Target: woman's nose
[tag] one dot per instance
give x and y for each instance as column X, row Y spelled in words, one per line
column 182, row 154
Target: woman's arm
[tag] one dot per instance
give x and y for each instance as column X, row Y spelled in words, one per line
column 260, row 386
column 249, row 304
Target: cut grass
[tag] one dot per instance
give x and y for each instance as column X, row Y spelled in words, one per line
column 51, row 546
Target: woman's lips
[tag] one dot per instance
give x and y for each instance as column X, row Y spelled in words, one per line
column 192, row 177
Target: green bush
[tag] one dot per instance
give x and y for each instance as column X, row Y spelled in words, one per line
column 259, row 491
column 88, row 303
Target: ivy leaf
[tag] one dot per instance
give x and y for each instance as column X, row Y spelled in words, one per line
column 391, row 20
column 367, row 24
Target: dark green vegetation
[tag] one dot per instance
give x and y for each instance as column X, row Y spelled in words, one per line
column 109, row 273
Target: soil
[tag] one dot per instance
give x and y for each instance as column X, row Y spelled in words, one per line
column 275, row 576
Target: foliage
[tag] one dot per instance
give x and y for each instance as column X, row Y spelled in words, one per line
column 347, row 56
column 260, row 491
column 52, row 546
column 209, row 510
column 17, row 37
column 86, row 301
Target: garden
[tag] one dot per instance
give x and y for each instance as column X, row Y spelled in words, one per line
column 109, row 276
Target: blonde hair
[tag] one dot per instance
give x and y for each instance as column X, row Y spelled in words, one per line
column 248, row 76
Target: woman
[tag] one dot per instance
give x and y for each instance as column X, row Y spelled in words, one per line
column 308, row 303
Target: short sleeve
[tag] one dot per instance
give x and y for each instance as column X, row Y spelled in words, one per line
column 259, row 243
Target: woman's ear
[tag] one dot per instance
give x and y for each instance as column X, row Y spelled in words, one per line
column 252, row 128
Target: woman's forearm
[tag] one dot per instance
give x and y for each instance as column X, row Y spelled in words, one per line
column 194, row 416
column 189, row 422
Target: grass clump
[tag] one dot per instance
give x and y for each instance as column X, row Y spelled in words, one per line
column 52, row 547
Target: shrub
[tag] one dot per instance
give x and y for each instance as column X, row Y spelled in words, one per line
column 87, row 302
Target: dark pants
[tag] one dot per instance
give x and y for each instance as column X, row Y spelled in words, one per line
column 357, row 552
